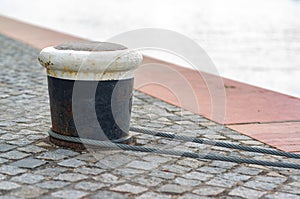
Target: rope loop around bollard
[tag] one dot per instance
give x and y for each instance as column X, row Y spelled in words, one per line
column 108, row 144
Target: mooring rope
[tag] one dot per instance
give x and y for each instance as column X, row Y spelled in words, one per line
column 108, row 144
column 215, row 143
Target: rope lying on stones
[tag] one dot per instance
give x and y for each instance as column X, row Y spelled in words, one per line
column 108, row 144
column 216, row 143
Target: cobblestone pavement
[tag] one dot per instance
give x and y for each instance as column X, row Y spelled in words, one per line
column 32, row 167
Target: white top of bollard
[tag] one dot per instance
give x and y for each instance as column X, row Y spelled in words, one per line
column 90, row 61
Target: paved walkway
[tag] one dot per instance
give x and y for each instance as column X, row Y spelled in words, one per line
column 268, row 116
column 31, row 167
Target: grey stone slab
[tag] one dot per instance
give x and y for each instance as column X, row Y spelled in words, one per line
column 74, row 194
column 162, row 174
column 174, row 189
column 191, row 196
column 14, row 155
column 259, row 185
column 290, row 189
column 221, row 182
column 208, row 191
column 114, row 161
column 29, row 163
column 20, row 142
column 246, row 193
column 89, row 186
column 281, row 195
column 2, row 177
column 51, row 171
column 108, row 178
column 198, row 176
column 32, row 149
column 129, row 188
column 71, row 177
column 28, row 178
column 29, row 192
column 7, row 186
column 89, row 170
column 248, row 170
column 187, row 182
column 74, row 163
column 108, row 195
column 11, row 170
column 147, row 181
column 151, row 195
column 52, row 184
column 2, row 160
column 142, row 165
column 6, row 147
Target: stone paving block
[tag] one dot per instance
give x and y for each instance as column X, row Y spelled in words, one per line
column 29, row 192
column 2, row 177
column 10, row 137
column 51, row 155
column 290, row 189
column 248, row 170
column 74, row 194
column 14, row 155
column 108, row 178
column 176, row 168
column 51, row 171
column 20, row 142
column 221, row 182
column 11, row 170
column 110, row 161
column 7, row 186
column 246, row 193
column 174, row 189
column 32, row 149
column 128, row 188
column 72, row 174
column 6, row 147
column 211, row 170
column 142, row 165
column 275, row 180
column 162, row 174
column 281, row 195
column 151, row 195
column 52, row 184
column 263, row 186
column 89, row 186
column 2, row 160
column 187, row 182
column 108, row 195
column 71, row 177
column 208, row 191
column 28, row 178
column 147, row 181
column 29, row 163
column 191, row 196
column 74, row 163
column 89, row 171
column 198, row 176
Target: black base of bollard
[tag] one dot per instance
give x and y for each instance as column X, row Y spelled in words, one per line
column 98, row 110
column 80, row 147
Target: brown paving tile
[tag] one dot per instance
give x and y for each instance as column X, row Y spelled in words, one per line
column 284, row 136
column 204, row 94
column 33, row 35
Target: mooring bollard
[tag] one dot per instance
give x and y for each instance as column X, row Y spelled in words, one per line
column 90, row 89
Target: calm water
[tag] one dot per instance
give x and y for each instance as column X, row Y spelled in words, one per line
column 255, row 41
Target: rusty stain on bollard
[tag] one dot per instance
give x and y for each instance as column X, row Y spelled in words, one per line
column 103, row 72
